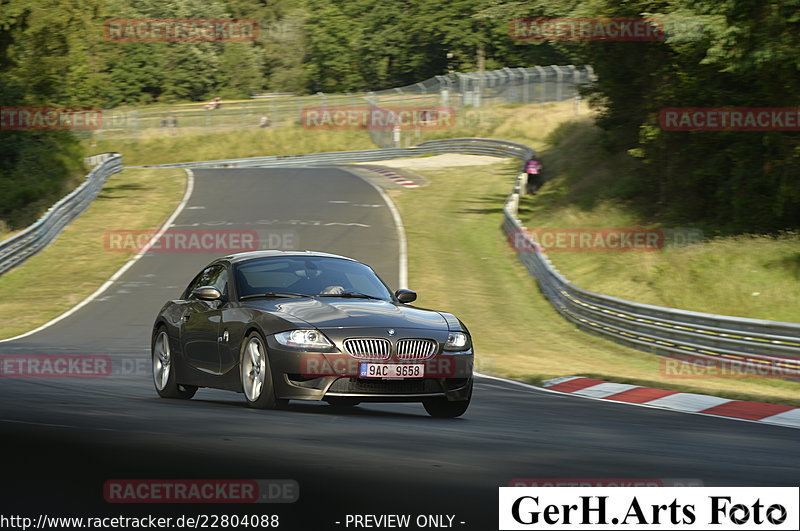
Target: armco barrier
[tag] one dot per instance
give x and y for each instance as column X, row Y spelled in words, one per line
column 769, row 347
column 18, row 248
column 474, row 146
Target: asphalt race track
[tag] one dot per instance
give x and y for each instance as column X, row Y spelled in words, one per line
column 63, row 438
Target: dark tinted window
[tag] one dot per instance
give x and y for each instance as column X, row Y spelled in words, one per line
column 309, row 276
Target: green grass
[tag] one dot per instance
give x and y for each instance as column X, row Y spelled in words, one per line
column 157, row 146
column 465, row 266
column 161, row 148
column 5, row 231
column 77, row 262
column 528, row 124
column 746, row 275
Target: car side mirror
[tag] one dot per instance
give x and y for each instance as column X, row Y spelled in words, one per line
column 405, row 295
column 207, row 293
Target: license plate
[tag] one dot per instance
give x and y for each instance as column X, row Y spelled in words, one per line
column 392, row 371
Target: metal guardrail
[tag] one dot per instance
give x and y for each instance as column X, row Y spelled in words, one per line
column 769, row 348
column 21, row 246
column 753, row 343
column 764, row 347
column 474, row 146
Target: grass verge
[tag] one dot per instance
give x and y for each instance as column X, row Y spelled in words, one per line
column 465, row 266
column 161, row 148
column 77, row 263
column 747, row 275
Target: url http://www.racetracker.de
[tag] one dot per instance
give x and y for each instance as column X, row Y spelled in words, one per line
column 199, row 521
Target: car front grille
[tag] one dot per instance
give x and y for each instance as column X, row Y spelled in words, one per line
column 368, row 348
column 415, row 349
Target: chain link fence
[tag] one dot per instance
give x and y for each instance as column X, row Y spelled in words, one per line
column 461, row 93
column 465, row 93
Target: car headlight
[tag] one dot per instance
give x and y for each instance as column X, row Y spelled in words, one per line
column 305, row 339
column 457, row 341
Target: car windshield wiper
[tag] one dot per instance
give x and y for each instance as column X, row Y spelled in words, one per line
column 275, row 294
column 351, row 295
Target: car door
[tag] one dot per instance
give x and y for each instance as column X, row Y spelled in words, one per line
column 200, row 326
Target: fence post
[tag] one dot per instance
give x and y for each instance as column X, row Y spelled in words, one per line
column 542, row 82
column 559, row 81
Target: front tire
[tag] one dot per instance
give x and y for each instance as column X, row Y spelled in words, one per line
column 257, row 383
column 446, row 409
column 164, row 369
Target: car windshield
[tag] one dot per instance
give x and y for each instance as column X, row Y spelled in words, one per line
column 312, row 276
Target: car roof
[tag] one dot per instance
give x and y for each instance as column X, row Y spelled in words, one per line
column 242, row 257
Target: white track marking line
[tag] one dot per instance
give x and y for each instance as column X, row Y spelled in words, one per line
column 401, row 232
column 529, row 387
column 121, row 271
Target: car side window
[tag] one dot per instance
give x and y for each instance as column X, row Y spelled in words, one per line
column 215, row 275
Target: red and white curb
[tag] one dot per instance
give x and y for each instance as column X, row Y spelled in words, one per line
column 686, row 402
column 397, row 178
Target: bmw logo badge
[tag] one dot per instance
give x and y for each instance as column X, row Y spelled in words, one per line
column 391, row 331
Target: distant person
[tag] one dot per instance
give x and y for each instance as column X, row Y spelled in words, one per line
column 173, row 125
column 264, row 121
column 163, row 122
column 213, row 104
column 535, row 178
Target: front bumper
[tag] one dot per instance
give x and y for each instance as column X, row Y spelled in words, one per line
column 300, row 375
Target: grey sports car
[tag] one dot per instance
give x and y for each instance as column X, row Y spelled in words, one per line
column 280, row 326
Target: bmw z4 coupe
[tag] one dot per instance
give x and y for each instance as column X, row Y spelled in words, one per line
column 279, row 326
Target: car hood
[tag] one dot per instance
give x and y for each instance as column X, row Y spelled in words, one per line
column 351, row 313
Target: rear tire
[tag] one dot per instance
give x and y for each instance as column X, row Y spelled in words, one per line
column 256, row 373
column 163, row 364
